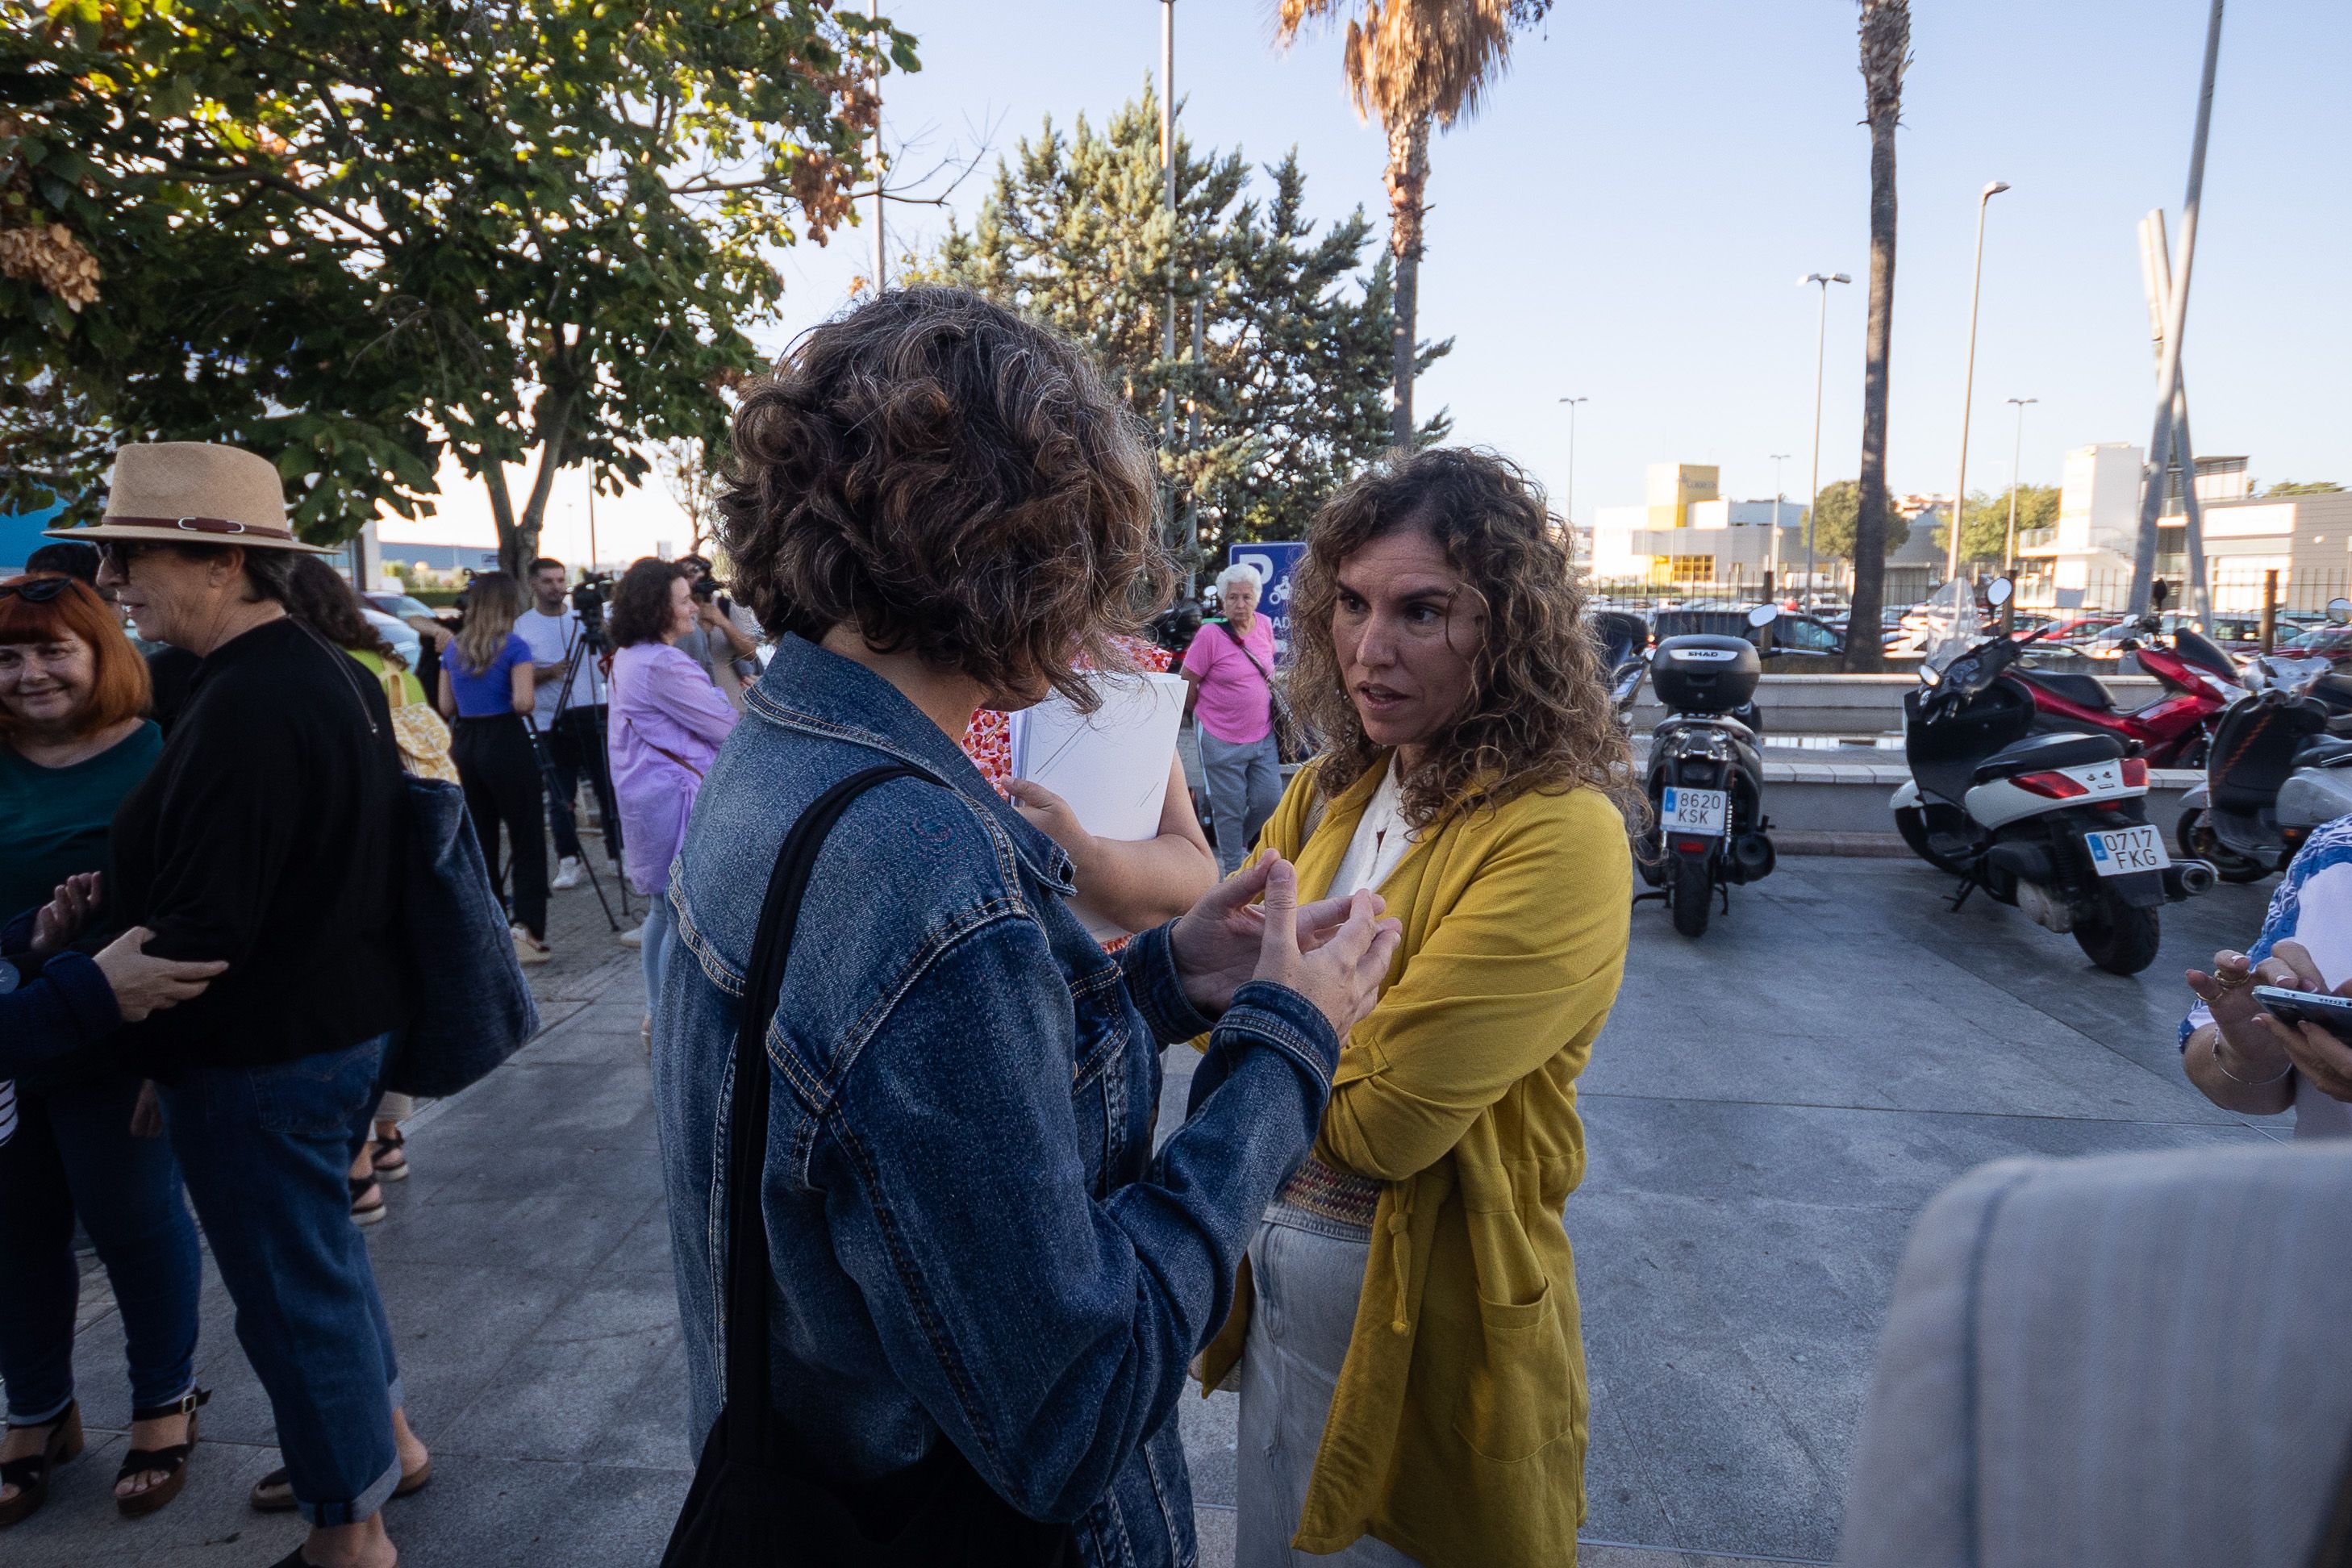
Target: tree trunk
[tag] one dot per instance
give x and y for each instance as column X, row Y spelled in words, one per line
column 1408, row 177
column 1863, row 644
column 518, row 534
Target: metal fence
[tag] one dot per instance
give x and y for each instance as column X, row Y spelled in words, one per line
column 2236, row 594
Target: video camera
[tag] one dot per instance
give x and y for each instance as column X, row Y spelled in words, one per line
column 589, row 597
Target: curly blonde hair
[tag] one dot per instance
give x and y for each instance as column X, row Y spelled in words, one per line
column 1538, row 716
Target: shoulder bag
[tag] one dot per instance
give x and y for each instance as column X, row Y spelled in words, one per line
column 473, row 1007
column 755, row 1504
column 1289, row 736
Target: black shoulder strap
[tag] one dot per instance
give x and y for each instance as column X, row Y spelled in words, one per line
column 747, row 1112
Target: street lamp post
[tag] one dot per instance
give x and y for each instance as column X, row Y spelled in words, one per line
column 2016, row 451
column 1773, row 570
column 1814, row 488
column 1968, row 390
column 1567, row 509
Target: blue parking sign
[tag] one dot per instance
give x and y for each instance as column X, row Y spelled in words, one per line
column 1276, row 565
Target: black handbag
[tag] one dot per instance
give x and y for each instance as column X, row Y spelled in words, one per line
column 474, row 1008
column 755, row 1504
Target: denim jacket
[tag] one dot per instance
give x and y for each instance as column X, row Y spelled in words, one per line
column 970, row 1231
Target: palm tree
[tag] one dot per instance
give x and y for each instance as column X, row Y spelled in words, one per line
column 1885, row 33
column 1411, row 63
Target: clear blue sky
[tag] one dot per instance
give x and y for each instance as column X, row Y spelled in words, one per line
column 1627, row 219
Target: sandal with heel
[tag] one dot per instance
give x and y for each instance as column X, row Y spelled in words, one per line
column 171, row 1459
column 30, row 1475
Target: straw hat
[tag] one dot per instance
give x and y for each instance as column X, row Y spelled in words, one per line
column 192, row 492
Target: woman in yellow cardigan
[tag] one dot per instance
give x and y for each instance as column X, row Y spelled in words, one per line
column 1410, row 1368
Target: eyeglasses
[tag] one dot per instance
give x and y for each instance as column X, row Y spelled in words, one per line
column 38, row 590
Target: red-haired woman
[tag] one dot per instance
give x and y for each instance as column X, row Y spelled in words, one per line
column 72, row 744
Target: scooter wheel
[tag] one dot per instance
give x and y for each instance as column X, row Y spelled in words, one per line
column 2119, row 938
column 1693, row 891
column 2197, row 842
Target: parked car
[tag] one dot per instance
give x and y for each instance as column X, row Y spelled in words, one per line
column 2333, row 644
column 400, row 607
column 1800, row 634
column 405, row 640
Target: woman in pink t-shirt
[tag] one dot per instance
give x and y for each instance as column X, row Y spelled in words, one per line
column 1230, row 666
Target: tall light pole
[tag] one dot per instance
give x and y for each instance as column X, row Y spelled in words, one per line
column 1167, row 190
column 1813, row 487
column 1968, row 391
column 2016, row 452
column 881, row 265
column 1778, row 459
column 1568, row 509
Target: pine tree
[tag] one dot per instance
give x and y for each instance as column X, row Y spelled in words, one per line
column 1291, row 393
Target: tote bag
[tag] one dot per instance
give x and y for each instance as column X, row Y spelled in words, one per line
column 473, row 1010
column 754, row 1504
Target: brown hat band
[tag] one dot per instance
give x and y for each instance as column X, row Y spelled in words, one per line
column 202, row 525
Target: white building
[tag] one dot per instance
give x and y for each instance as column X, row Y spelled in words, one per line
column 1687, row 534
column 2085, row 558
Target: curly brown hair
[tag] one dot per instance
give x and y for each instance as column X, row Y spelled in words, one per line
column 950, row 478
column 1538, row 716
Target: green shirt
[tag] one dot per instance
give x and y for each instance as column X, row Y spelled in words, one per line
column 55, row 822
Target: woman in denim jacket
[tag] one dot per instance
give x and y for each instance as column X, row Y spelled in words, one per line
column 935, row 506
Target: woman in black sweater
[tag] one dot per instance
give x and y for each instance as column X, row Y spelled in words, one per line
column 268, row 836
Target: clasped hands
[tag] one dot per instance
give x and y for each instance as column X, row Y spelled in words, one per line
column 1334, row 952
column 142, row 985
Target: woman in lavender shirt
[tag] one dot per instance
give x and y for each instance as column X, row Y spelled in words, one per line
column 666, row 724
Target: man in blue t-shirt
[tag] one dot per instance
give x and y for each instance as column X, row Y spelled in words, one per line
column 567, row 672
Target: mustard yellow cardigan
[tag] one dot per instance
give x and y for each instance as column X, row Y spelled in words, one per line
column 1457, row 1430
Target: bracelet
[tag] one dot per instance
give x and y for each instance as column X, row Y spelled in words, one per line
column 2243, row 1082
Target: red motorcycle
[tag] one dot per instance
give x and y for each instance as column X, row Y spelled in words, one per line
column 2173, row 731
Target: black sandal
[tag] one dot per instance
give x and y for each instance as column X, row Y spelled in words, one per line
column 30, row 1475
column 172, row 1460
column 364, row 1213
column 393, row 1149
column 274, row 1493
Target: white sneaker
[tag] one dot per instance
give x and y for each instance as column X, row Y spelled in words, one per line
column 567, row 872
column 529, row 949
column 634, row 937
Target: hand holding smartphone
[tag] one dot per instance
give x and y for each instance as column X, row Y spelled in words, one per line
column 2333, row 1014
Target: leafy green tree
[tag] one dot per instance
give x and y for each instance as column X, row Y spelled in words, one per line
column 1290, row 393
column 351, row 234
column 2304, row 487
column 1984, row 528
column 1836, row 512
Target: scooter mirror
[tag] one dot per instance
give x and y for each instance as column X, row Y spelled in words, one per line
column 2340, row 610
column 1998, row 591
column 1763, row 615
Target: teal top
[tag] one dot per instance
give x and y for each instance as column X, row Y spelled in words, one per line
column 55, row 822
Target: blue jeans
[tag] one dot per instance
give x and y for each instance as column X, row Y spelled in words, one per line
column 653, row 950
column 73, row 1152
column 266, row 1151
column 1245, row 783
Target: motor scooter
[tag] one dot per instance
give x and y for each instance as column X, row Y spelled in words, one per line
column 1705, row 776
column 2053, row 823
column 2280, row 765
column 2198, row 681
column 1623, row 639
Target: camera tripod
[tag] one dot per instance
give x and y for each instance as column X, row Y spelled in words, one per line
column 588, row 604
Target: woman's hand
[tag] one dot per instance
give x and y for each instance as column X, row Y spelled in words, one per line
column 1050, row 815
column 2229, row 994
column 1340, row 974
column 2321, row 1059
column 68, row 911
column 143, row 985
column 147, row 1115
column 1228, row 940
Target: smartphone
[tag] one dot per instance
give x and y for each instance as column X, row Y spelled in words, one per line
column 2333, row 1014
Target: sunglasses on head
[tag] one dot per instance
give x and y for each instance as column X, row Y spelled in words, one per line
column 38, row 591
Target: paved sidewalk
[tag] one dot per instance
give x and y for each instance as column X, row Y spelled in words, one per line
column 1766, row 1112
